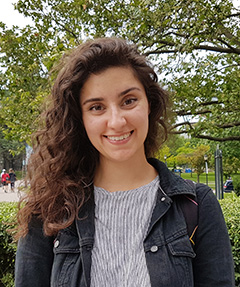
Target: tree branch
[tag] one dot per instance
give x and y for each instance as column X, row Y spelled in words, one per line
column 199, row 47
column 67, row 30
column 225, row 43
column 230, row 138
column 229, row 35
column 181, row 124
column 233, row 15
column 211, row 138
column 199, row 112
column 189, row 113
column 177, row 132
column 215, row 102
column 229, row 125
column 190, row 124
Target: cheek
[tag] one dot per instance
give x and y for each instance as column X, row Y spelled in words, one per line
column 141, row 116
column 92, row 126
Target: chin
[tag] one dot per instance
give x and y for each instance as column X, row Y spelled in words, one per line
column 124, row 157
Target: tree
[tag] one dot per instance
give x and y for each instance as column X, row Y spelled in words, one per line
column 185, row 154
column 197, row 159
column 11, row 153
column 175, row 141
column 230, row 154
column 165, row 155
column 230, row 166
column 170, row 150
column 24, row 81
column 214, row 111
column 199, row 41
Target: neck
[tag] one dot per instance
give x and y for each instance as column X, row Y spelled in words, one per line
column 114, row 176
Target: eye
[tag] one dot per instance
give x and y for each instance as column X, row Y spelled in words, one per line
column 96, row 108
column 129, row 101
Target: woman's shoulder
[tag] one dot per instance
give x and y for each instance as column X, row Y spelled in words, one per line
column 203, row 192
column 207, row 200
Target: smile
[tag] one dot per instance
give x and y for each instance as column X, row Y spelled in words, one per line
column 119, row 138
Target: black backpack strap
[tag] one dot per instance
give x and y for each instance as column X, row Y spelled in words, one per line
column 190, row 211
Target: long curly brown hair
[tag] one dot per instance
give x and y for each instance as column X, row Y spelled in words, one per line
column 61, row 168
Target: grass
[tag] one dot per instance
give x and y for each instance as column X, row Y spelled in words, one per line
column 202, row 178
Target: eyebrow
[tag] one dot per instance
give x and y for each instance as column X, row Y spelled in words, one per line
column 120, row 95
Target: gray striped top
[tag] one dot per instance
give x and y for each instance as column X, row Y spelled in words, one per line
column 122, row 219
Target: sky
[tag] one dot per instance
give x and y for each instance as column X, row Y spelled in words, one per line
column 11, row 17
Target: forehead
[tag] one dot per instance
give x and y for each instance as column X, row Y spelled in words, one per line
column 113, row 79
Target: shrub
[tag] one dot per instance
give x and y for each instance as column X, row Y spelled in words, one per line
column 231, row 207
column 7, row 244
column 7, row 280
column 236, row 184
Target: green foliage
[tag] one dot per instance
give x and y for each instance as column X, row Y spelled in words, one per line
column 8, row 280
column 230, row 155
column 24, row 81
column 185, row 154
column 198, row 158
column 236, row 184
column 174, row 142
column 170, row 149
column 200, row 41
column 10, row 150
column 7, row 244
column 230, row 166
column 163, row 152
column 211, row 94
column 192, row 156
column 231, row 207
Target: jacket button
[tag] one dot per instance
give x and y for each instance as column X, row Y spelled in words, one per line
column 163, row 198
column 56, row 243
column 154, row 248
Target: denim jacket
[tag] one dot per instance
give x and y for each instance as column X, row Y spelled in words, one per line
column 171, row 259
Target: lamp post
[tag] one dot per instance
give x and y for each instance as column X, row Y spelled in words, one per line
column 206, row 168
column 218, row 173
column 165, row 158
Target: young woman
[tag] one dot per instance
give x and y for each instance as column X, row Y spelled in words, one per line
column 100, row 211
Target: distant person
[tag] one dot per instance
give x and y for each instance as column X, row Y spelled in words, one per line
column 3, row 172
column 5, row 179
column 1, row 177
column 12, row 178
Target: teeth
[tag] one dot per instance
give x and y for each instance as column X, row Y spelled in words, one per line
column 119, row 138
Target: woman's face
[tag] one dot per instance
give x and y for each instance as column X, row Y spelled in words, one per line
column 115, row 113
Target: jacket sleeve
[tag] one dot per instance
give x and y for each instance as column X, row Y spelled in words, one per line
column 34, row 258
column 213, row 265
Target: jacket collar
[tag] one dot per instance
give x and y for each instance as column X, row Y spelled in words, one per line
column 170, row 183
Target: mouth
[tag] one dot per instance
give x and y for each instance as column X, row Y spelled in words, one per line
column 119, row 138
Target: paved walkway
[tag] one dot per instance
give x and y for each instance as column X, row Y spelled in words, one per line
column 10, row 196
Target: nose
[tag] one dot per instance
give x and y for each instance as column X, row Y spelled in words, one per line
column 116, row 119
